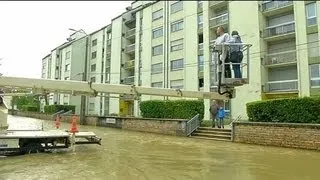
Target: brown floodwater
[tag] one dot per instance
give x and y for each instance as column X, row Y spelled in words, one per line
column 134, row 155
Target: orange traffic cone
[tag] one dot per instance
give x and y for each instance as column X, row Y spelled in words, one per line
column 74, row 128
column 58, row 121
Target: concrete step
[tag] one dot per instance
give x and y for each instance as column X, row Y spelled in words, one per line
column 214, row 132
column 207, row 138
column 214, row 129
column 219, row 136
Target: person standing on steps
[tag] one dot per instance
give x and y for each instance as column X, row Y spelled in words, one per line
column 221, row 114
column 214, row 110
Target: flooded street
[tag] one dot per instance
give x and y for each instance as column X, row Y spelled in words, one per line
column 134, row 155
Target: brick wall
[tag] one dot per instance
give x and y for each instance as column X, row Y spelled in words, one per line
column 304, row 136
column 169, row 127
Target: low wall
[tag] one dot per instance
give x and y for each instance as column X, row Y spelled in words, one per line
column 304, row 136
column 162, row 126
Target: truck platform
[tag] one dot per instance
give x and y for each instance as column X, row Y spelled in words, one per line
column 15, row 142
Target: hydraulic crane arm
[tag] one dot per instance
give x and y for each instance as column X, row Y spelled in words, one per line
column 85, row 88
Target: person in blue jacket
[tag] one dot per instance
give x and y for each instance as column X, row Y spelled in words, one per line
column 221, row 114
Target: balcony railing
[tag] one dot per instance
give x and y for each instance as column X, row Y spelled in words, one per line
column 219, row 20
column 200, row 25
column 130, row 48
column 108, row 42
column 278, row 86
column 129, row 64
column 280, row 58
column 273, row 5
column 280, row 29
column 212, row 3
column 130, row 32
column 128, row 80
column 200, row 46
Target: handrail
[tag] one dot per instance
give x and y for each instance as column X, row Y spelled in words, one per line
column 192, row 124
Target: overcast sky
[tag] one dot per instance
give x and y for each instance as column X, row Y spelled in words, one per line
column 30, row 30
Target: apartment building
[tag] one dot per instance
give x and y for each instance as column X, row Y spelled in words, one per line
column 66, row 62
column 166, row 44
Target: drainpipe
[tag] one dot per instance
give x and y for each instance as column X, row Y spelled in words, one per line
column 166, row 66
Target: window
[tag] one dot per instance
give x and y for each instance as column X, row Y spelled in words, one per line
column 157, row 15
column 176, row 7
column 200, row 21
column 94, row 42
column 311, row 13
column 93, row 79
column 68, row 55
column 200, row 63
column 157, row 50
column 93, row 67
column 315, row 75
column 158, row 32
column 157, row 84
column 177, row 26
column 93, row 55
column 176, row 64
column 156, row 68
column 176, row 45
column 201, row 82
column 176, row 84
column 67, row 67
column 313, row 48
column 91, row 107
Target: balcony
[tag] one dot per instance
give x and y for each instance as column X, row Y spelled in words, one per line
column 130, row 48
column 280, row 59
column 217, row 4
column 281, row 86
column 272, row 8
column 109, row 42
column 128, row 80
column 279, row 32
column 219, row 20
column 200, row 48
column 200, row 6
column 131, row 34
column 129, row 64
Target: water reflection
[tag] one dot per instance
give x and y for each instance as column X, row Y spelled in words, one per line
column 134, row 155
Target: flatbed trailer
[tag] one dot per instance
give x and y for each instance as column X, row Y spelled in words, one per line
column 33, row 141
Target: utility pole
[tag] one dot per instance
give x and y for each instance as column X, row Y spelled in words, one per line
column 84, row 78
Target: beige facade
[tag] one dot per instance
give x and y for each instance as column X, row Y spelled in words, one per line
column 166, row 44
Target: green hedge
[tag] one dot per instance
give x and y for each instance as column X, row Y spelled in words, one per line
column 172, row 109
column 51, row 109
column 293, row 110
column 30, row 108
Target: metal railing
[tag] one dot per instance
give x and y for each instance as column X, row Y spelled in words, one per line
column 128, row 80
column 273, row 5
column 130, row 32
column 280, row 58
column 278, row 86
column 219, row 20
column 129, row 64
column 130, row 48
column 200, row 46
column 192, row 124
column 280, row 29
column 212, row 3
